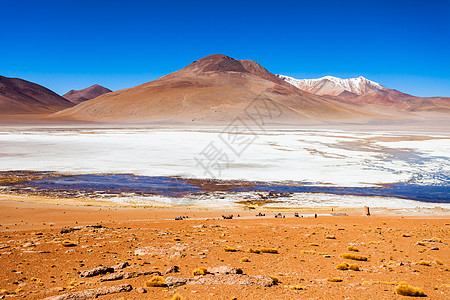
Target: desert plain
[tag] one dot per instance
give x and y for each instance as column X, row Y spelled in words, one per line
column 393, row 246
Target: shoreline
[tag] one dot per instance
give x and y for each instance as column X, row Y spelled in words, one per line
column 41, row 211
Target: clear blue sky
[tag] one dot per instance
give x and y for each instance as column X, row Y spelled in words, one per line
column 68, row 44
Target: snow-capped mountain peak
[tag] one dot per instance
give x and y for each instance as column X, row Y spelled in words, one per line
column 330, row 85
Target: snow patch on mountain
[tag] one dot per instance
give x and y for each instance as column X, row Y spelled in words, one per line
column 359, row 86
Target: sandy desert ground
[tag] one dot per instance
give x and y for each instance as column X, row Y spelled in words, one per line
column 398, row 248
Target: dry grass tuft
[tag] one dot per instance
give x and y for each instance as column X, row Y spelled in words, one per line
column 245, row 259
column 268, row 250
column 313, row 245
column 353, row 256
column 352, row 248
column 406, row 290
column 200, row 271
column 275, row 279
column 68, row 244
column 297, row 287
column 342, row 266
column 229, row 249
column 334, row 279
column 156, row 281
column 424, row 263
column 406, row 235
column 330, row 237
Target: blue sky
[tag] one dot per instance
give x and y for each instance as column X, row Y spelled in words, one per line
column 68, row 44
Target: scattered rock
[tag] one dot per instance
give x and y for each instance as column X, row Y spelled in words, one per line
column 141, row 290
column 27, row 245
column 94, row 226
column 93, row 293
column 223, row 270
column 433, row 240
column 176, row 281
column 127, row 275
column 121, row 266
column 173, row 269
column 229, row 279
column 434, row 248
column 96, row 271
column 233, row 279
column 67, row 230
column 30, row 251
column 200, row 226
column 113, row 276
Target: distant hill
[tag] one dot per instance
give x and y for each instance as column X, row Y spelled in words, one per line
column 78, row 96
column 18, row 96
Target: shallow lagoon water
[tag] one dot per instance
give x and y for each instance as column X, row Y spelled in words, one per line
column 176, row 187
column 409, row 166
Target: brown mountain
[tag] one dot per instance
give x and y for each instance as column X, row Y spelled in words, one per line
column 216, row 88
column 362, row 91
column 78, row 96
column 19, row 96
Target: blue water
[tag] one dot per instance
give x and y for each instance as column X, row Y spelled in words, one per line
column 117, row 183
column 425, row 193
column 175, row 187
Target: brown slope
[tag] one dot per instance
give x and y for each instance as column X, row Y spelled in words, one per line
column 19, row 96
column 78, row 96
column 216, row 88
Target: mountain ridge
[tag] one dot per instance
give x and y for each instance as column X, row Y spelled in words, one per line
column 361, row 90
column 91, row 92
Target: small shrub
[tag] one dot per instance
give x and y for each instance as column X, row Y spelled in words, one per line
column 229, row 249
column 275, row 279
column 439, row 262
column 245, row 259
column 313, row 245
column 200, row 271
column 334, row 279
column 156, row 281
column 352, row 248
column 68, row 244
column 177, row 297
column 354, row 267
column 353, row 256
column 251, row 250
column 342, row 266
column 330, row 237
column 406, row 235
column 406, row 290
